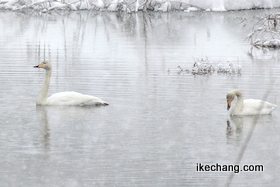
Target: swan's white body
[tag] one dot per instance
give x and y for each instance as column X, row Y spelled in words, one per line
column 63, row 98
column 248, row 107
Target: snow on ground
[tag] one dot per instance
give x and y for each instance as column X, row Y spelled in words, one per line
column 139, row 5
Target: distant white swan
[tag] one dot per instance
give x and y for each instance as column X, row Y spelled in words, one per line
column 248, row 106
column 63, row 98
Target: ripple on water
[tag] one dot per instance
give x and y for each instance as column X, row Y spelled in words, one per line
column 158, row 125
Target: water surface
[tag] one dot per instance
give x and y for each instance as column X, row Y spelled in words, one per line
column 160, row 123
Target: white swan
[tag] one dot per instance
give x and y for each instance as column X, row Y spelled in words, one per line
column 63, row 98
column 248, row 106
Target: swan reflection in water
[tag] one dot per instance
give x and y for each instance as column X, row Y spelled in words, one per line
column 56, row 119
column 237, row 124
column 234, row 134
column 43, row 119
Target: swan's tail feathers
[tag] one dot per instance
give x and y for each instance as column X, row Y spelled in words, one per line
column 105, row 104
column 101, row 103
column 273, row 106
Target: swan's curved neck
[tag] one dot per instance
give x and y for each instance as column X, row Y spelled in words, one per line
column 239, row 103
column 41, row 99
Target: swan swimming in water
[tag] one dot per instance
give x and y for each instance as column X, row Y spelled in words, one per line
column 63, row 98
column 248, row 106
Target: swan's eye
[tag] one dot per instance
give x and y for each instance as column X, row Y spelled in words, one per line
column 230, row 97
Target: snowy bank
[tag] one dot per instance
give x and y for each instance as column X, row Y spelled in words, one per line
column 138, row 5
column 266, row 31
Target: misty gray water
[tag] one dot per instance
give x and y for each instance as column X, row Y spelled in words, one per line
column 160, row 124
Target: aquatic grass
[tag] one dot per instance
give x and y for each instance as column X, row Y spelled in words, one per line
column 203, row 66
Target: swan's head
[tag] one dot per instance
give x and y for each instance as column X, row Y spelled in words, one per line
column 230, row 97
column 46, row 65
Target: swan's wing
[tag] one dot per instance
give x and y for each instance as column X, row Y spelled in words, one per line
column 252, row 107
column 74, row 98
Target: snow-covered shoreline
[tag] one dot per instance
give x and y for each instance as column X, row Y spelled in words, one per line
column 138, row 5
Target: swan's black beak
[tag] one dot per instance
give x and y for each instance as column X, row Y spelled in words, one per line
column 228, row 105
column 39, row 66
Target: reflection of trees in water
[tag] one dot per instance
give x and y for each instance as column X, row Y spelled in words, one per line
column 67, row 34
column 63, row 34
column 70, row 35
